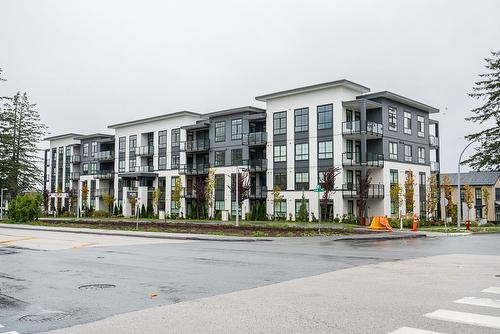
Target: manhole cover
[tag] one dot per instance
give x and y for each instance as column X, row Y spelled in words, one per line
column 45, row 316
column 96, row 286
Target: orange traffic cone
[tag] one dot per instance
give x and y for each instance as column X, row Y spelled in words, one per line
column 414, row 227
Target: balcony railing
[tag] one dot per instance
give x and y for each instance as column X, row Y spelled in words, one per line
column 104, row 174
column 104, row 156
column 258, row 192
column 197, row 145
column 144, row 169
column 434, row 166
column 101, row 192
column 197, row 169
column 355, row 128
column 255, row 139
column 76, row 159
column 351, row 190
column 144, row 150
column 255, row 165
column 433, row 141
column 356, row 159
column 74, row 176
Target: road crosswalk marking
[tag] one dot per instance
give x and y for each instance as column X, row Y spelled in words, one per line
column 492, row 289
column 410, row 330
column 465, row 318
column 479, row 302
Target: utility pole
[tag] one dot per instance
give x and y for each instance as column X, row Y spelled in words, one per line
column 1, row 202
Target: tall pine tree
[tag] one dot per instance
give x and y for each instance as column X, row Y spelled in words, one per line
column 487, row 154
column 21, row 130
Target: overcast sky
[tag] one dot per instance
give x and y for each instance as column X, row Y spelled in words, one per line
column 88, row 64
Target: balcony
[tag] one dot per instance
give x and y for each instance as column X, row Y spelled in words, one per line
column 76, row 159
column 258, row 192
column 374, row 160
column 101, row 192
column 104, row 156
column 256, row 165
column 434, row 167
column 354, row 129
column 198, row 169
column 104, row 174
column 144, row 151
column 144, row 169
column 433, row 141
column 75, row 176
column 350, row 190
column 197, row 145
column 255, row 139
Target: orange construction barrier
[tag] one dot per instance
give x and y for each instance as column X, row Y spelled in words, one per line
column 414, row 227
column 380, row 223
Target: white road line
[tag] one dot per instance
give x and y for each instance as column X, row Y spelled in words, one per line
column 493, row 289
column 12, row 332
column 409, row 330
column 465, row 318
column 479, row 302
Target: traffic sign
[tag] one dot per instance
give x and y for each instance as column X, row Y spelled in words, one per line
column 319, row 189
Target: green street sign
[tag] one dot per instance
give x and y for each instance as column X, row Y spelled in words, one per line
column 319, row 189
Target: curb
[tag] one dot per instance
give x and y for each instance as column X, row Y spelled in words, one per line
column 384, row 237
column 132, row 234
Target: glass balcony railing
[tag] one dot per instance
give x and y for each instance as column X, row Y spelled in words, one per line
column 104, row 155
column 144, row 150
column 197, row 145
column 351, row 190
column 356, row 128
column 255, row 139
column 356, row 159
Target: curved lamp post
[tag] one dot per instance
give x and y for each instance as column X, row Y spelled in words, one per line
column 459, row 209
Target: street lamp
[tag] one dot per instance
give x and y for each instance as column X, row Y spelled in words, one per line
column 1, row 202
column 459, row 208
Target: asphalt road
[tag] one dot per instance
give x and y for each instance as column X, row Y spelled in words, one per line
column 47, row 282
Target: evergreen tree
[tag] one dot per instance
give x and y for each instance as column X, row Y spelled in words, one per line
column 303, row 214
column 487, row 154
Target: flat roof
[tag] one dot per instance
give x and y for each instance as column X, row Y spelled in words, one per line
column 62, row 136
column 474, row 178
column 155, row 118
column 324, row 85
column 237, row 110
column 95, row 135
column 356, row 104
column 401, row 99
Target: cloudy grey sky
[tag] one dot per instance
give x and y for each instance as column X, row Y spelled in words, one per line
column 92, row 63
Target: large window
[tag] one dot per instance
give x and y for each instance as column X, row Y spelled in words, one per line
column 393, row 150
column 279, row 122
column 408, row 153
column 85, row 168
column 220, row 158
column 162, row 138
column 325, row 150
column 280, row 209
column 175, row 161
column 421, row 155
column 122, row 143
column 302, row 151
column 236, row 157
column 162, row 162
column 301, row 180
column 176, row 137
column 220, row 131
column 236, row 129
column 301, row 119
column 121, row 166
column 94, row 148
column 393, row 119
column 132, row 142
column 420, row 126
column 393, row 176
column 86, row 149
column 407, row 123
column 131, row 165
column 280, row 153
column 280, row 180
column 298, row 203
column 325, row 117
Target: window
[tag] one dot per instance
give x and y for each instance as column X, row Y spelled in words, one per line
column 301, row 119
column 93, row 168
column 173, row 205
column 85, row 168
column 131, row 165
column 421, row 155
column 298, row 203
column 219, row 205
column 279, row 123
column 219, row 182
column 408, row 154
column 393, row 119
column 393, row 150
column 407, row 123
column 325, row 150
column 162, row 162
column 220, row 131
column 497, row 194
column 68, row 151
column 302, row 151
column 122, row 142
column 280, row 153
column 349, row 178
column 280, row 209
column 94, row 148
column 420, row 126
column 350, row 207
column 237, row 157
column 236, row 129
column 175, row 161
column 121, row 166
column 176, row 137
column 393, row 176
column 280, row 180
column 301, row 180
column 132, row 142
column 325, row 117
column 220, row 158
column 86, row 149
column 162, row 138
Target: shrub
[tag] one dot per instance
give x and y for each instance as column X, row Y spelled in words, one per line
column 100, row 214
column 25, row 208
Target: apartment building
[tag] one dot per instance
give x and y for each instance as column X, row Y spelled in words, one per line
column 300, row 134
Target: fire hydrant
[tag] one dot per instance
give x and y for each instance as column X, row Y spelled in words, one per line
column 467, row 225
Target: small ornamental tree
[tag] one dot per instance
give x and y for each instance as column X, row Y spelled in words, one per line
column 447, row 192
column 133, row 203
column 303, row 214
column 209, row 190
column 25, row 208
column 85, row 195
column 468, row 198
column 108, row 201
column 486, row 199
column 199, row 196
column 46, row 200
column 409, row 193
column 177, row 193
column 397, row 197
column 243, row 189
column 432, row 196
column 277, row 198
column 58, row 200
column 363, row 192
column 156, row 199
column 328, row 184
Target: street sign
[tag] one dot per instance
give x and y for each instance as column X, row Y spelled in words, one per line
column 319, row 189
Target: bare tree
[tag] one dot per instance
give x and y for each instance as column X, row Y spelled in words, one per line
column 363, row 192
column 328, row 184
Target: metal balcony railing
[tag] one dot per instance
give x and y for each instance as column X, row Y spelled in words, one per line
column 255, row 165
column 356, row 159
column 356, row 128
column 433, row 141
column 194, row 169
column 104, row 156
column 435, row 166
column 76, row 159
column 144, row 150
column 74, row 176
column 351, row 190
column 197, row 145
column 255, row 139
column 258, row 192
column 144, row 169
column 104, row 174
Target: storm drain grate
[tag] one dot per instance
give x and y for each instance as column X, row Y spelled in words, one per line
column 96, row 286
column 45, row 316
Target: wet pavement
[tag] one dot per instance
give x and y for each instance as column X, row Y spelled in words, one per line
column 46, row 288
